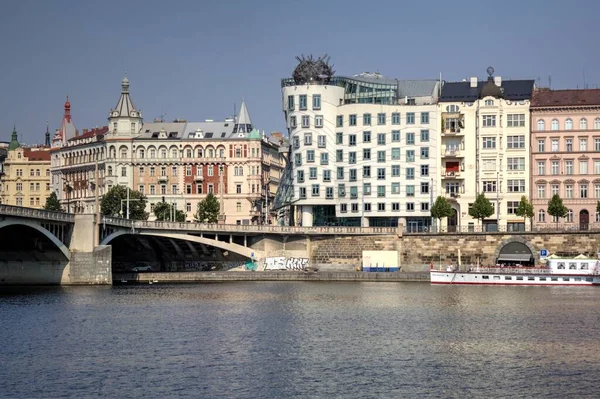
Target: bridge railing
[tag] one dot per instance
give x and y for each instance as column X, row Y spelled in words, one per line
column 236, row 228
column 541, row 228
column 32, row 213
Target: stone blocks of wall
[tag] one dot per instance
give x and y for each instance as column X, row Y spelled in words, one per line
column 345, row 253
column 91, row 267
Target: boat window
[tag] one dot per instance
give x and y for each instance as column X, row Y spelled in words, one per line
column 554, row 278
column 572, row 266
column 542, row 278
column 566, row 279
column 519, row 277
column 485, row 277
column 508, row 277
column 531, row 278
column 496, row 277
column 584, row 266
column 589, row 279
column 561, row 265
column 577, row 278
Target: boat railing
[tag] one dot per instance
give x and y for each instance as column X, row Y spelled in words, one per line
column 513, row 270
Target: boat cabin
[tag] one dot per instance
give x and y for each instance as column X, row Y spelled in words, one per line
column 574, row 266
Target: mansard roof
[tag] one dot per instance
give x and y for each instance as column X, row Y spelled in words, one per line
column 514, row 90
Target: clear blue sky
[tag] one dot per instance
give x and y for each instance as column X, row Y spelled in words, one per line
column 195, row 59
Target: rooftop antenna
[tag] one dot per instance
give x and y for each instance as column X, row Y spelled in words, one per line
column 550, row 81
column 584, row 85
column 234, row 111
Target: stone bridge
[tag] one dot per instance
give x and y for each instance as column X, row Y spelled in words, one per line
column 74, row 249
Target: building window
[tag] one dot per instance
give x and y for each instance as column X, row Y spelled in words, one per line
column 568, row 191
column 424, row 153
column 425, row 118
column 310, row 156
column 583, row 124
column 395, row 188
column 339, row 121
column 366, row 154
column 541, row 168
column 291, row 105
column 326, row 175
column 395, row 118
column 381, row 206
column 569, row 145
column 366, row 137
column 541, row 191
column 489, row 120
column 569, row 124
column 516, row 163
column 424, row 206
column 315, row 190
column 303, row 102
column 583, row 190
column 380, row 173
column 395, row 136
column 516, row 186
column 511, row 207
column 410, row 173
column 554, row 124
column 366, row 119
column 515, row 142
column 555, row 168
column 318, row 120
column 123, row 171
column 541, row 145
column 293, row 122
column 582, row 144
column 554, row 143
column 396, row 154
column 324, row 158
column 307, row 138
column 302, row 193
column 339, row 138
column 395, row 170
column 554, row 189
column 352, row 120
column 489, row 186
column 305, row 121
column 515, row 120
column 329, row 192
column 489, row 143
column 381, row 118
column 542, row 216
column 424, row 188
column 352, row 157
column 380, row 156
column 238, row 188
column 489, row 102
column 352, row 140
column 300, row 176
column 381, row 138
column 424, row 136
column 410, row 138
column 410, row 118
column 316, row 101
column 367, row 207
column 583, row 167
column 380, row 191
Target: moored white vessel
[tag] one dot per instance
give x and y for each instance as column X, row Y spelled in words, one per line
column 558, row 271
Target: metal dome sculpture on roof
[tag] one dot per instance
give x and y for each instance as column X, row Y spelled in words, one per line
column 310, row 70
column 490, row 89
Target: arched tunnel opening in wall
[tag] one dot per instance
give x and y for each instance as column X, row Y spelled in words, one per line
column 28, row 256
column 136, row 252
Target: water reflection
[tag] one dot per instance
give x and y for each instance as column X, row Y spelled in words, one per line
column 285, row 339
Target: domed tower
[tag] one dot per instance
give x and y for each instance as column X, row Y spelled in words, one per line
column 67, row 128
column 124, row 120
column 491, row 89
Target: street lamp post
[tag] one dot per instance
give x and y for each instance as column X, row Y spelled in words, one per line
column 431, row 201
column 497, row 201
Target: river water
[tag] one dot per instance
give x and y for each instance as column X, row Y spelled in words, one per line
column 299, row 340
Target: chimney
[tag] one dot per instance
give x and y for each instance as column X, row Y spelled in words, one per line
column 474, row 82
column 498, row 81
column 85, row 131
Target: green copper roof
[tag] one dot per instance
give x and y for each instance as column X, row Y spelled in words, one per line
column 255, row 134
column 14, row 143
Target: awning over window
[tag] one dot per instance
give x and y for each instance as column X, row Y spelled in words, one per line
column 514, row 258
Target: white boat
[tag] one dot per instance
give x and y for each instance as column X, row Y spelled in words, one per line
column 558, row 271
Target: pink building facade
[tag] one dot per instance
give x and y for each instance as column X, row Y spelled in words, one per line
column 565, row 155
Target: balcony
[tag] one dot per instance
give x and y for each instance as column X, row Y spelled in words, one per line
column 198, row 178
column 452, row 123
column 163, row 179
column 452, row 152
column 452, row 174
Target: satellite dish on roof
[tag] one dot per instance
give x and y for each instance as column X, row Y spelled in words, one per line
column 490, row 71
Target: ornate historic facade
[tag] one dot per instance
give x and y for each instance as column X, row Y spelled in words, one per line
column 565, row 143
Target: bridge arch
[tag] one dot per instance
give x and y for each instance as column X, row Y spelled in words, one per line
column 21, row 222
column 239, row 249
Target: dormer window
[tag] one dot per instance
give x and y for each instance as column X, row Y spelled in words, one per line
column 162, row 134
column 489, row 102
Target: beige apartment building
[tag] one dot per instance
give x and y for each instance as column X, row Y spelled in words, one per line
column 26, row 178
column 180, row 162
column 565, row 154
column 485, row 148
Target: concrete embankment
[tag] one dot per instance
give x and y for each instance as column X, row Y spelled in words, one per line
column 199, row 277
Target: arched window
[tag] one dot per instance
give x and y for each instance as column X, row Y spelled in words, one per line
column 570, row 216
column 163, row 153
column 142, row 153
column 541, row 125
column 221, row 153
column 569, row 124
column 211, row 153
column 153, row 153
column 583, row 124
column 174, row 153
column 542, row 216
column 200, row 153
column 113, row 152
column 110, row 170
column 188, row 153
column 554, row 124
column 597, row 123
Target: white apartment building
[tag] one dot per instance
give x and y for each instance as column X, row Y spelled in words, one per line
column 485, row 148
column 364, row 149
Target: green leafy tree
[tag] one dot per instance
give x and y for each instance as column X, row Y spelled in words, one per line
column 556, row 208
column 53, row 204
column 525, row 209
column 208, row 209
column 164, row 212
column 110, row 203
column 482, row 208
column 441, row 209
column 598, row 207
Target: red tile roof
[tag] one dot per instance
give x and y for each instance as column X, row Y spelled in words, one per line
column 91, row 133
column 37, row 154
column 565, row 98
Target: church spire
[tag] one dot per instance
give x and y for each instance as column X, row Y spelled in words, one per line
column 14, row 143
column 243, row 124
column 47, row 136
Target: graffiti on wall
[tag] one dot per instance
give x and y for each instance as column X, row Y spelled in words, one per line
column 283, row 263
